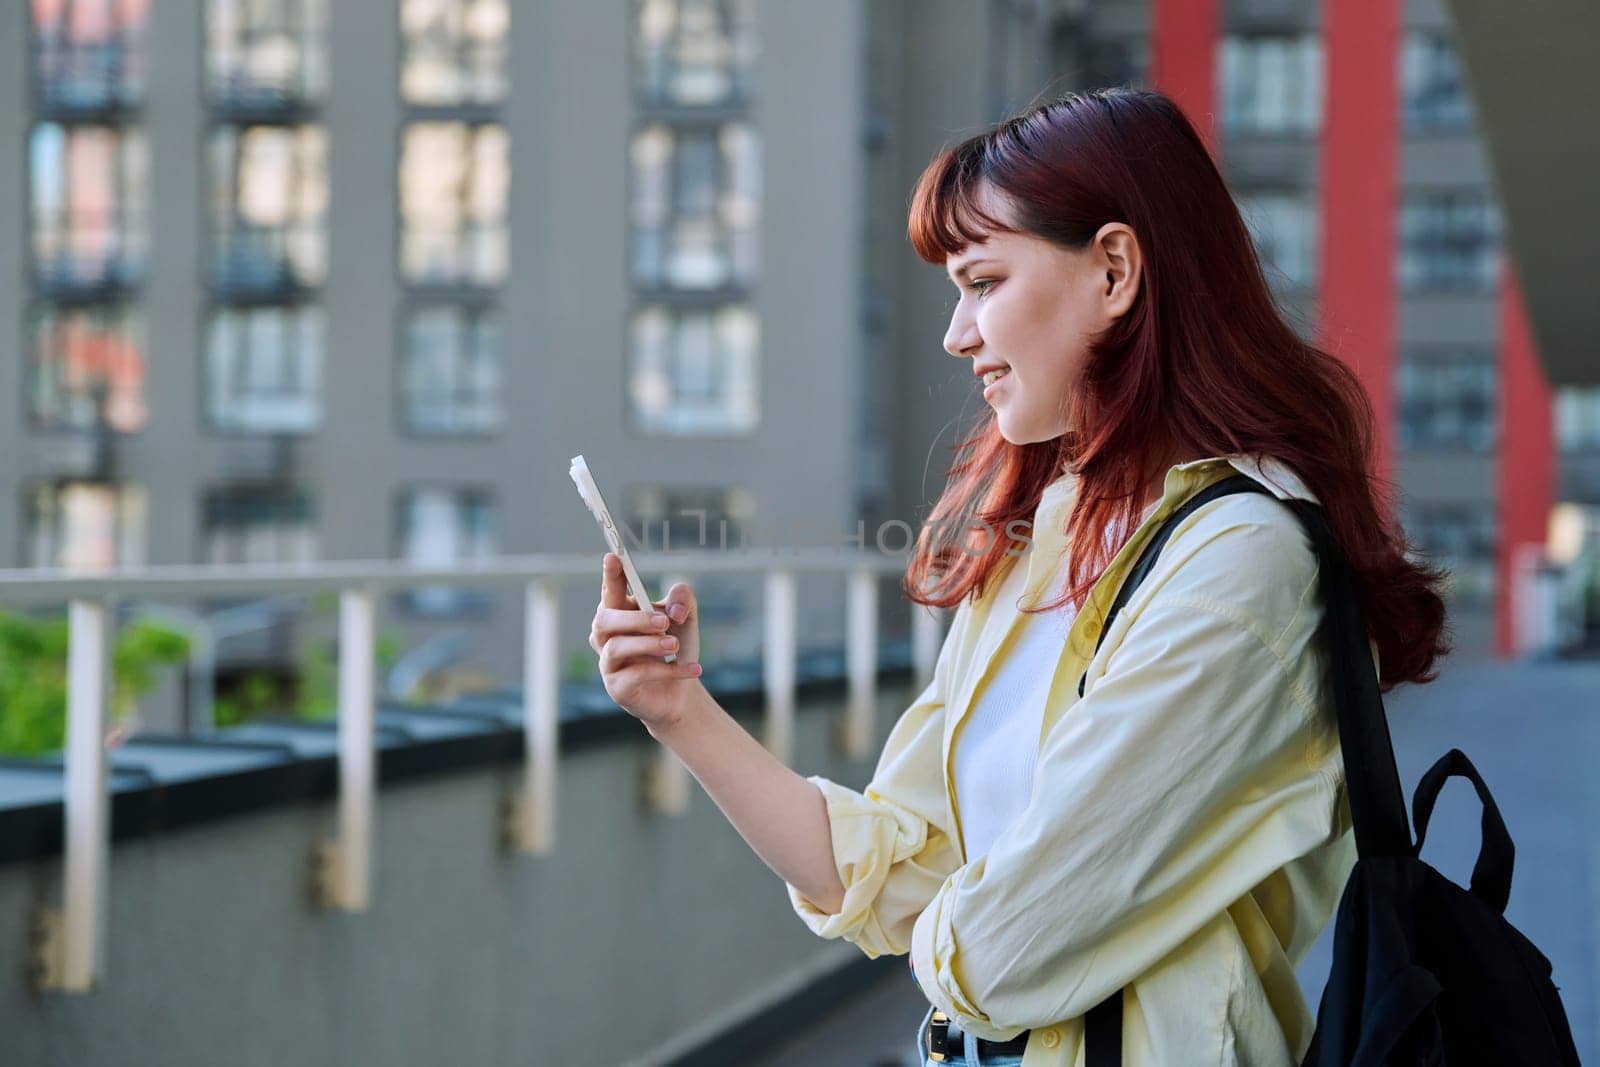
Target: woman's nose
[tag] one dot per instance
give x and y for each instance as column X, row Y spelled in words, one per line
column 961, row 339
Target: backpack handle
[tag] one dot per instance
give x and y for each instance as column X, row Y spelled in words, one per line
column 1491, row 875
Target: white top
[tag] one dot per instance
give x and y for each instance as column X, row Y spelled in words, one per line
column 993, row 752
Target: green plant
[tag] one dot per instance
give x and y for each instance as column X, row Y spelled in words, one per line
column 313, row 692
column 33, row 676
column 317, row 697
column 581, row 666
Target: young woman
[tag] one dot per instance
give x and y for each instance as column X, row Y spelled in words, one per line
column 1177, row 837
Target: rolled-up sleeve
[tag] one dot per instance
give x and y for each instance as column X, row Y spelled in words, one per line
column 893, row 843
column 1194, row 768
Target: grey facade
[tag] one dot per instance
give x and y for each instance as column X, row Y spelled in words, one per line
column 563, row 307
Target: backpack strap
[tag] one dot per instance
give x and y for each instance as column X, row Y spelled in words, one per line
column 1239, row 483
column 1377, row 803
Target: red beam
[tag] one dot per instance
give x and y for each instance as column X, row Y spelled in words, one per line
column 1359, row 189
column 1183, row 58
column 1527, row 451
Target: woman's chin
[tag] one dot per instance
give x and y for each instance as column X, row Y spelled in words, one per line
column 1013, row 437
column 1023, row 435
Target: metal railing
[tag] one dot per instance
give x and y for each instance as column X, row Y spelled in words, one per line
column 71, row 937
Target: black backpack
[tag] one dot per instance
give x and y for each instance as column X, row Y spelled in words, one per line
column 1424, row 972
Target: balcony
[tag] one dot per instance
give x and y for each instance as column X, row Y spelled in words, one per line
column 257, row 266
column 67, row 278
column 250, row 99
column 472, row 750
column 84, row 82
column 523, row 876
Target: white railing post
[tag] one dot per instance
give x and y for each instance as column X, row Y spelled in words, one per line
column 666, row 778
column 926, row 630
column 1529, row 606
column 778, row 657
column 861, row 661
column 72, row 939
column 533, row 820
column 346, row 874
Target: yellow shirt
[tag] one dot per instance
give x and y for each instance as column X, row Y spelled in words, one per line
column 1188, row 835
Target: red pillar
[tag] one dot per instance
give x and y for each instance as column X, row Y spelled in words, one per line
column 1359, row 191
column 1183, row 59
column 1527, row 451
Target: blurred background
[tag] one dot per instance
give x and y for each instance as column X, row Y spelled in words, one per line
column 286, row 284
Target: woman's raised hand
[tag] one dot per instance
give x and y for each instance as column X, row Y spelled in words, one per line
column 631, row 643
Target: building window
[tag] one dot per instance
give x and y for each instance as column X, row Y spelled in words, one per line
column 440, row 526
column 695, row 213
column 694, row 372
column 89, row 55
column 453, row 51
column 451, row 378
column 1448, row 404
column 1462, row 539
column 1578, row 419
column 455, row 182
column 88, row 369
column 695, row 53
column 1284, row 229
column 86, row 525
column 680, row 518
column 264, row 369
column 1111, row 60
column 1271, row 85
column 266, row 64
column 1448, row 240
column 264, row 55
column 696, row 206
column 257, row 524
column 454, row 178
column 88, row 186
column 1433, row 92
column 269, row 200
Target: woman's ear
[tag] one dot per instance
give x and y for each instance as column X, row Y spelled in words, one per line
column 1116, row 252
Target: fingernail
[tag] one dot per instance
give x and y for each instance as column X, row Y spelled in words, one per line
column 677, row 611
column 658, row 620
column 669, row 642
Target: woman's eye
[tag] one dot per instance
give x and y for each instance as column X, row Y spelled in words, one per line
column 982, row 286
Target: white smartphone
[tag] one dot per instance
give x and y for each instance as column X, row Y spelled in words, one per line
column 602, row 515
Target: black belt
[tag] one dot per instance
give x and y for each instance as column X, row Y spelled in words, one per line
column 946, row 1042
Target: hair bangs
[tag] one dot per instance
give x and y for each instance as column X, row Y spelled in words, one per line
column 945, row 216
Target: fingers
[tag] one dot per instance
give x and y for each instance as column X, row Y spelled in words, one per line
column 619, row 616
column 611, row 622
column 618, row 652
column 644, row 676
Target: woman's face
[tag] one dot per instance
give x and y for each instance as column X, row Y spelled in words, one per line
column 1033, row 307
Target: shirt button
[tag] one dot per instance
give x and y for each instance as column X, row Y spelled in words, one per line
column 1051, row 1038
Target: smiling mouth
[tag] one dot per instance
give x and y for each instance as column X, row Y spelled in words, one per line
column 994, row 376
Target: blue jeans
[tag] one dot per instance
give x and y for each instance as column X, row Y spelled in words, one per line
column 967, row 1056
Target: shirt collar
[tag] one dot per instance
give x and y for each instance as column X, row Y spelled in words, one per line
column 1183, row 480
column 1272, row 473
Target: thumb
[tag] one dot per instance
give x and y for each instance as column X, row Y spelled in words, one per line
column 680, row 602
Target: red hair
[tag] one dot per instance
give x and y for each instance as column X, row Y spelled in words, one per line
column 1202, row 364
